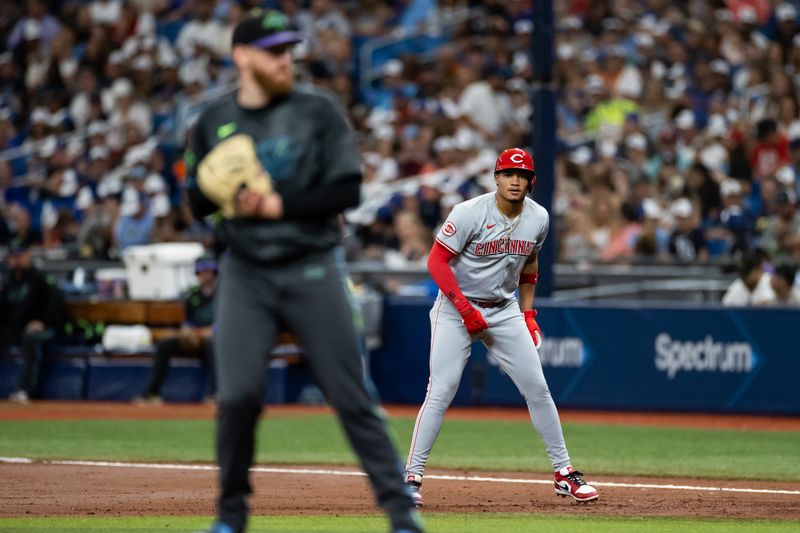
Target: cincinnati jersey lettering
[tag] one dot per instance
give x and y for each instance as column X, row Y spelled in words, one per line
column 491, row 249
column 504, row 246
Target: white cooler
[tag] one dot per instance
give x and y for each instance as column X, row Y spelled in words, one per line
column 161, row 271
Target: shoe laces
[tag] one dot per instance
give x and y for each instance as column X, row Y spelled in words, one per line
column 575, row 478
column 414, row 484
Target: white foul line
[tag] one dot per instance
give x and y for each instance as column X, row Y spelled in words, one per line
column 330, row 472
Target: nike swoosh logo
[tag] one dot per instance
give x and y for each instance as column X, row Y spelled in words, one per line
column 564, row 485
column 490, row 226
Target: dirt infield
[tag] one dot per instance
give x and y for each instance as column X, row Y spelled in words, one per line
column 42, row 489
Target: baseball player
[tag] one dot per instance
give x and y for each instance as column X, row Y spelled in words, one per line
column 279, row 163
column 485, row 250
column 193, row 338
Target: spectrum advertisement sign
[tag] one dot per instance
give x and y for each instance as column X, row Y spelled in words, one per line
column 634, row 357
column 670, row 358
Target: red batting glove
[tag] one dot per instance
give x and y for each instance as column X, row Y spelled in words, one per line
column 533, row 327
column 473, row 320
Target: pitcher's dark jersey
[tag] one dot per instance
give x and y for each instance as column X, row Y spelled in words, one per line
column 306, row 144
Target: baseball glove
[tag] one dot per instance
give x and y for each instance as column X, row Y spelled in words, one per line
column 229, row 166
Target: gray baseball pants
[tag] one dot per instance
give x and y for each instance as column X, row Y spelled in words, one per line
column 510, row 344
column 309, row 298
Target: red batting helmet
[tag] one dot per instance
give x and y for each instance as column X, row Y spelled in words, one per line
column 517, row 159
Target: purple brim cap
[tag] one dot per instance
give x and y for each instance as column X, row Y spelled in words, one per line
column 205, row 266
column 17, row 250
column 284, row 37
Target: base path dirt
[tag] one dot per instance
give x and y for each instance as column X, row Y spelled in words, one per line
column 45, row 489
column 65, row 490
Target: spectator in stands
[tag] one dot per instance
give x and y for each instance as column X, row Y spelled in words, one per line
column 372, row 19
column 31, row 310
column 607, row 114
column 203, row 36
column 781, row 236
column 704, row 191
column 135, row 223
column 794, row 164
column 96, row 231
column 666, row 153
column 485, row 105
column 721, row 88
column 62, row 232
column 635, row 154
column 323, row 19
column 787, row 293
column 689, row 140
column 105, row 12
column 571, row 111
column 36, row 16
column 786, row 178
column 413, row 241
column 771, row 150
column 521, row 110
column 606, row 220
column 687, row 243
column 754, row 285
column 653, row 240
column 713, row 155
column 23, row 234
column 124, row 110
column 735, row 222
column 623, row 236
column 576, row 238
column 193, row 339
column 33, row 53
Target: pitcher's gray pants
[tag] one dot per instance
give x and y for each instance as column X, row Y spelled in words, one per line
column 309, row 298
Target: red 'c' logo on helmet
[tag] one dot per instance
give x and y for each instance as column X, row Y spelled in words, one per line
column 516, row 158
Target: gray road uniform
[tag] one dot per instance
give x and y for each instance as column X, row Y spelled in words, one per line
column 491, row 253
column 285, row 274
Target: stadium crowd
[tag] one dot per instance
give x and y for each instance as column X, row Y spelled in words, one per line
column 678, row 122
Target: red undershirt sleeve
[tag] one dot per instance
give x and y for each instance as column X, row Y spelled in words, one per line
column 439, row 266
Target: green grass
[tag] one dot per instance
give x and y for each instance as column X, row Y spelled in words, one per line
column 439, row 523
column 479, row 445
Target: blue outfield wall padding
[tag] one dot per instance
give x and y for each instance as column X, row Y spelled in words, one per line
column 399, row 367
column 9, row 376
column 187, row 381
column 631, row 357
column 59, row 379
column 122, row 379
column 675, row 357
column 116, row 379
column 62, row 379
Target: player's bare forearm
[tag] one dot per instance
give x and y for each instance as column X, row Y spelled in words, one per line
column 526, row 297
column 527, row 289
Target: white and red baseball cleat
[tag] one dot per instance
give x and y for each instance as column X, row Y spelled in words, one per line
column 569, row 482
column 414, row 483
